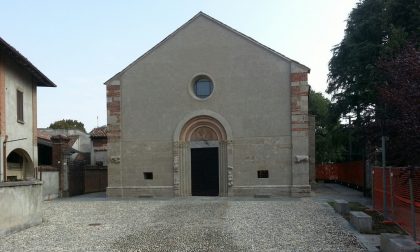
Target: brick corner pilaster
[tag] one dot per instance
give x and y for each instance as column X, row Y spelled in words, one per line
column 299, row 91
column 113, row 95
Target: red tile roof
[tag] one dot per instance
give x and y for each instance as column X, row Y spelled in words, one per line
column 43, row 135
column 99, row 132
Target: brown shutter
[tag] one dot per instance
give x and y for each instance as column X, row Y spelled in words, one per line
column 19, row 106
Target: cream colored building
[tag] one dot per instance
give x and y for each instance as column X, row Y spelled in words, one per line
column 208, row 111
column 19, row 80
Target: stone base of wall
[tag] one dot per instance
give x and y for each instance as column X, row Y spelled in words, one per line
column 245, row 191
column 300, row 191
column 140, row 191
column 20, row 206
column 271, row 190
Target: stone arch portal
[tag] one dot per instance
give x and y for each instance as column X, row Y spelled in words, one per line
column 202, row 131
column 19, row 165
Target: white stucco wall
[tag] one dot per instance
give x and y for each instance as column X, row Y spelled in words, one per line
column 50, row 184
column 20, row 206
column 18, row 79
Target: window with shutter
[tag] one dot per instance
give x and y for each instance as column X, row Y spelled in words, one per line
column 19, row 105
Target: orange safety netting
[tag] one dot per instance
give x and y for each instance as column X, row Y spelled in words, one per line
column 397, row 191
column 350, row 173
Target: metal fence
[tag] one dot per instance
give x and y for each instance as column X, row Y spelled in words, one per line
column 396, row 193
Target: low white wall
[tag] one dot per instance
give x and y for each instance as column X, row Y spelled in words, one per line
column 50, row 184
column 20, row 205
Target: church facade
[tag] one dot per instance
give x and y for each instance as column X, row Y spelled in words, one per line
column 208, row 112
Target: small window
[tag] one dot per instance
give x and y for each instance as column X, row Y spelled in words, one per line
column 12, row 178
column 262, row 174
column 148, row 175
column 19, row 106
column 203, row 87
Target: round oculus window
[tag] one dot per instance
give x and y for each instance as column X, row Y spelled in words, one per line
column 203, row 87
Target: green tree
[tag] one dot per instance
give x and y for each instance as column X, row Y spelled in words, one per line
column 330, row 137
column 352, row 67
column 377, row 31
column 401, row 95
column 68, row 124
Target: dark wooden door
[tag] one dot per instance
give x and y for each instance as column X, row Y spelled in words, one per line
column 205, row 172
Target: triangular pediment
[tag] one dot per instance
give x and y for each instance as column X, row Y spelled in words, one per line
column 215, row 21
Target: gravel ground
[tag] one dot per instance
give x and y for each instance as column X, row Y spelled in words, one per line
column 186, row 224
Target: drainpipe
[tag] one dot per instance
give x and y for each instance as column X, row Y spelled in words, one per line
column 4, row 159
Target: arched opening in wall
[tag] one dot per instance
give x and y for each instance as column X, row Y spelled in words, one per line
column 203, row 163
column 19, row 165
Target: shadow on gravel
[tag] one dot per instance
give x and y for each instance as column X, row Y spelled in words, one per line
column 182, row 226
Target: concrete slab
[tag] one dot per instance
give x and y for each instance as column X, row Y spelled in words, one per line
column 396, row 242
column 403, row 245
column 370, row 241
column 324, row 192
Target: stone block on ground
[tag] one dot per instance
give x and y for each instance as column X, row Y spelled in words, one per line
column 397, row 242
column 385, row 237
column 341, row 206
column 361, row 221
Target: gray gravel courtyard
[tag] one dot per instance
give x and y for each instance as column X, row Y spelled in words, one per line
column 185, row 224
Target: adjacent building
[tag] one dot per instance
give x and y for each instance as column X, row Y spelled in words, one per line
column 209, row 111
column 20, row 193
column 19, row 80
column 99, row 141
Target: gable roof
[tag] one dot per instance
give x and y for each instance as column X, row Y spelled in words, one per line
column 99, row 132
column 43, row 135
column 202, row 14
column 41, row 79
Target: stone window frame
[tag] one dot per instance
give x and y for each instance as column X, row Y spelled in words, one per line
column 192, row 86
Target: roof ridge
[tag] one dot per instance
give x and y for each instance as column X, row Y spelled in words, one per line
column 22, row 60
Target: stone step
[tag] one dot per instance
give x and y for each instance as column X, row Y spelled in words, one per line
column 341, row 206
column 361, row 221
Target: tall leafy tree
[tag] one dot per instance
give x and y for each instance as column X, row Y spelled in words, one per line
column 329, row 134
column 377, row 31
column 401, row 95
column 68, row 124
column 352, row 67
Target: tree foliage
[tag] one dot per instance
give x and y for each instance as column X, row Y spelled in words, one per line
column 363, row 73
column 68, row 124
column 375, row 29
column 329, row 134
column 401, row 96
column 352, row 70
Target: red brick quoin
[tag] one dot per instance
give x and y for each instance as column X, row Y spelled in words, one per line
column 296, row 77
column 113, row 94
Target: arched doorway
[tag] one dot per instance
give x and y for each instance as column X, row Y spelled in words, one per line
column 201, row 158
column 19, row 165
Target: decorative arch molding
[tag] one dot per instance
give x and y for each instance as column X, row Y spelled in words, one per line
column 202, row 126
column 202, row 113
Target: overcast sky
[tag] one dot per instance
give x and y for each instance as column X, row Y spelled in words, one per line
column 81, row 44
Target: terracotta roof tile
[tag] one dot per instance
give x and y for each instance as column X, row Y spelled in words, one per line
column 43, row 135
column 99, row 132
